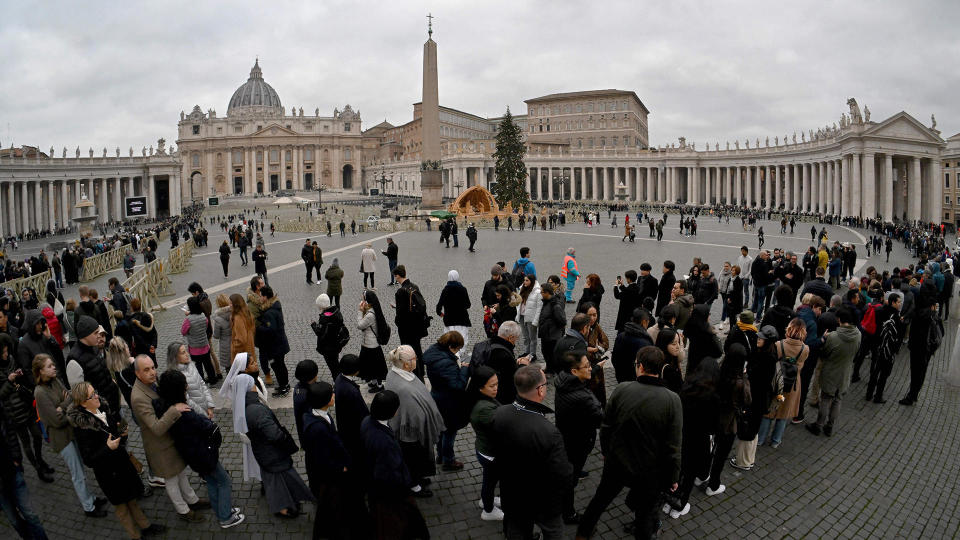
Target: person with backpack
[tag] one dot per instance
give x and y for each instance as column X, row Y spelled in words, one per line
column 119, row 298
column 332, row 333
column 552, row 323
column 448, row 383
column 411, row 315
column 891, row 335
column 498, row 353
column 522, row 267
column 197, row 438
column 870, row 326
column 809, row 312
column 926, row 336
column 472, row 236
column 734, row 399
column 836, row 356
column 453, row 306
column 375, row 332
column 766, row 392
column 791, row 353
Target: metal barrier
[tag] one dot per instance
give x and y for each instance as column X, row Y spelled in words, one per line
column 98, row 265
column 179, row 258
column 37, row 282
column 148, row 284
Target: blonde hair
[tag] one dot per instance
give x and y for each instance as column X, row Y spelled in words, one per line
column 118, row 354
column 222, row 300
column 796, row 329
column 79, row 393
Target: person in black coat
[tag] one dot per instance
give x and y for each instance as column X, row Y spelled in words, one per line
column 532, row 460
column 225, row 257
column 665, row 288
column 578, row 417
column 101, row 436
column 503, row 361
column 328, row 464
column 550, row 327
column 271, row 337
column 89, row 358
column 448, row 385
column 701, row 336
column 306, row 374
column 780, row 314
column 631, row 339
column 259, row 257
column 592, row 292
column 454, row 302
column 503, row 311
column 197, row 440
column 735, row 297
column 647, row 283
column 700, row 403
column 629, row 296
column 395, row 513
column 332, row 334
column 351, row 408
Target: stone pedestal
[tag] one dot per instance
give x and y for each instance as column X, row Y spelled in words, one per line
column 431, row 185
column 86, row 216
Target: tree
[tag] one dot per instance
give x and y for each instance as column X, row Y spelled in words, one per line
column 510, row 170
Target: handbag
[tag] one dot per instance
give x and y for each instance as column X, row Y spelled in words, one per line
column 137, row 466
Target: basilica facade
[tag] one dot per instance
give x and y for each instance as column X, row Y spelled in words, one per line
column 257, row 148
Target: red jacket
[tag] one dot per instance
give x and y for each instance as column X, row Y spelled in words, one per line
column 53, row 324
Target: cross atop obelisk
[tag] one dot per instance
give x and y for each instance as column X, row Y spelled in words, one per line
column 429, row 25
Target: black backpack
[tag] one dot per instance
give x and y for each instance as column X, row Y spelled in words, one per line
column 934, row 333
column 516, row 276
column 788, row 367
column 480, row 356
column 417, row 306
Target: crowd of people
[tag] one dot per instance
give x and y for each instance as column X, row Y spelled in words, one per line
column 794, row 333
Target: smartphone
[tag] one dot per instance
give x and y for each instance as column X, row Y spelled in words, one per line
column 618, row 278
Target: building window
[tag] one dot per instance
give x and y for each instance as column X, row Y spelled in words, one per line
column 238, row 129
column 219, row 130
column 196, row 160
column 259, row 156
column 579, row 107
column 613, row 106
column 946, row 180
column 237, row 156
column 308, row 127
column 308, row 155
column 289, row 156
column 613, row 141
column 346, row 126
column 219, row 159
column 196, row 130
column 579, row 143
column 326, row 128
column 946, row 200
column 274, row 156
column 346, row 153
column 259, row 128
column 289, row 127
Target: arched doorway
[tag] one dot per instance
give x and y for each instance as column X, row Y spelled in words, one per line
column 308, row 181
column 260, row 187
column 196, row 186
column 289, row 184
column 274, row 182
column 348, row 176
column 237, row 185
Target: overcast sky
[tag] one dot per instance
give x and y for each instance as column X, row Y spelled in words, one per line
column 119, row 74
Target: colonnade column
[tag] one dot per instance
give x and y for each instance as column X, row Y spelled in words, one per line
column 821, row 185
column 749, row 184
column 51, row 207
column 11, row 209
column 913, row 191
column 868, row 187
column 888, row 188
column 37, row 205
column 936, row 192
column 708, row 180
column 550, row 183
column 64, row 214
column 855, row 186
column 837, row 176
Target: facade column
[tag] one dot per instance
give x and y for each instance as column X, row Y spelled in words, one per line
column 748, row 185
column 64, row 212
column 888, row 188
column 768, row 188
column 593, row 183
column 736, row 186
column 51, row 207
column 868, row 187
column 936, row 192
column 914, row 212
column 708, row 180
column 803, row 201
column 37, row 205
column 297, row 180
column 777, row 186
column 837, row 181
column 152, row 196
column 675, row 194
column 24, row 208
column 526, row 181
column 116, row 215
column 844, row 187
column 855, row 186
column 821, row 186
column 12, row 209
column 550, row 178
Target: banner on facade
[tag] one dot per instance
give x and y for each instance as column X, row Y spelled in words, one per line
column 213, row 201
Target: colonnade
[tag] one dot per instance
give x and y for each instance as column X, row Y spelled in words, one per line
column 860, row 184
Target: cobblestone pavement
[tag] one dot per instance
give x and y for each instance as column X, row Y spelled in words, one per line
column 888, row 471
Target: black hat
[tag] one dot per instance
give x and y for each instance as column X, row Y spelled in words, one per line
column 306, row 371
column 319, row 394
column 86, row 326
column 385, row 405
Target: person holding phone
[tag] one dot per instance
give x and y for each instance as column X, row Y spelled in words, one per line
column 101, row 437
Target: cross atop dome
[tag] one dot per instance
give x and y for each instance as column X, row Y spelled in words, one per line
column 255, row 72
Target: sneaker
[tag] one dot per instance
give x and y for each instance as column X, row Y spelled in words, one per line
column 774, row 445
column 235, row 519
column 282, row 391
column 735, row 465
column 494, row 515
column 797, row 420
column 697, row 481
column 96, row 513
column 496, row 502
column 666, row 509
column 813, row 428
column 201, row 504
column 677, row 513
column 906, row 401
column 191, row 517
column 719, row 490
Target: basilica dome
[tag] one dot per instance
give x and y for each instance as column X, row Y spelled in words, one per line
column 255, row 95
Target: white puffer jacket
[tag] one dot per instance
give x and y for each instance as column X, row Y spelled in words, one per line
column 198, row 395
column 530, row 310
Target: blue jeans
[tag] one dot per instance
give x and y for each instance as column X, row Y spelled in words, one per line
column 746, row 292
column 490, row 480
column 393, row 264
column 759, row 293
column 445, row 446
column 571, row 283
column 77, row 475
column 15, row 501
column 779, row 426
column 218, row 488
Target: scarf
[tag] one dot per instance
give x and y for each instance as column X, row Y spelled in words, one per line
column 746, row 326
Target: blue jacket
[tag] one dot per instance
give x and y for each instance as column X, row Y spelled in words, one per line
column 809, row 318
column 448, row 383
column 528, row 267
column 835, row 266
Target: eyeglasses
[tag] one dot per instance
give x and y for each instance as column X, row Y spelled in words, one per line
column 541, row 386
column 91, row 396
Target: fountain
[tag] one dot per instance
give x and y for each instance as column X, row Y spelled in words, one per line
column 87, row 215
column 621, row 193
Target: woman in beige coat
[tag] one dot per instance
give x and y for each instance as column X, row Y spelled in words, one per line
column 241, row 328
column 794, row 346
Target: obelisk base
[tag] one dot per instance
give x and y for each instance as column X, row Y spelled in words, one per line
column 431, row 187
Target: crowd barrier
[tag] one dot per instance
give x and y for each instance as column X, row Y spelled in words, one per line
column 179, row 258
column 37, row 282
column 148, row 284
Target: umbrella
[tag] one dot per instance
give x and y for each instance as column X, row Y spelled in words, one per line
column 442, row 214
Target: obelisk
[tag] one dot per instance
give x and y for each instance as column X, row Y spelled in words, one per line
column 431, row 176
